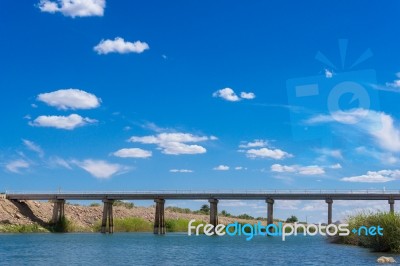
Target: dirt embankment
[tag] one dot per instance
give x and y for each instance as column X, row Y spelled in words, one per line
column 84, row 217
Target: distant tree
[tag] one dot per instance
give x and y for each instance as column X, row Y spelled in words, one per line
column 245, row 216
column 205, row 209
column 225, row 213
column 292, row 219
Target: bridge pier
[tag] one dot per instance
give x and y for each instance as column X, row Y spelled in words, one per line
column 159, row 221
column 270, row 211
column 329, row 201
column 213, row 212
column 391, row 203
column 58, row 211
column 107, row 216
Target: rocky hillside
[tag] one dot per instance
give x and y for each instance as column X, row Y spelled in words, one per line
column 84, row 217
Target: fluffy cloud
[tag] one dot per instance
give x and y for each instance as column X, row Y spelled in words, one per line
column 384, row 157
column 253, row 144
column 33, row 147
column 393, row 86
column 221, row 168
column 74, row 8
column 335, row 153
column 277, row 154
column 100, row 169
column 70, row 99
column 375, row 177
column 336, row 166
column 247, row 95
column 378, row 125
column 328, row 73
column 302, row 170
column 181, row 171
column 132, row 153
column 229, row 95
column 61, row 122
column 17, row 165
column 119, row 45
column 174, row 143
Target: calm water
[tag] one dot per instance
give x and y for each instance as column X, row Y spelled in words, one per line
column 175, row 249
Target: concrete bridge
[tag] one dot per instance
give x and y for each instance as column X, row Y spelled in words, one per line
column 213, row 197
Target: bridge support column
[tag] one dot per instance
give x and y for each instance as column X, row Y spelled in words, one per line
column 391, row 203
column 213, row 212
column 329, row 201
column 107, row 216
column 270, row 211
column 159, row 221
column 58, row 211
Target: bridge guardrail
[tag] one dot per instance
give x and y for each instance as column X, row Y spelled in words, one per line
column 249, row 192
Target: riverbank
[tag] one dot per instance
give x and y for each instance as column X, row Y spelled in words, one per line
column 34, row 216
column 389, row 241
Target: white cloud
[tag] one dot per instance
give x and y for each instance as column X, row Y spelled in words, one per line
column 221, row 168
column 240, row 203
column 101, row 169
column 378, row 125
column 229, row 95
column 311, row 170
column 375, row 177
column 17, row 165
column 314, row 205
column 336, row 166
column 393, row 86
column 277, row 154
column 254, row 144
column 247, row 95
column 70, row 99
column 174, row 143
column 384, row 157
column 287, row 204
column 57, row 161
column 238, row 168
column 61, row 122
column 328, row 73
column 283, row 168
column 33, row 147
column 335, row 153
column 302, row 170
column 132, row 153
column 181, row 171
column 120, row 46
column 74, row 8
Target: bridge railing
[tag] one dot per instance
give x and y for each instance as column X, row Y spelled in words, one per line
column 224, row 191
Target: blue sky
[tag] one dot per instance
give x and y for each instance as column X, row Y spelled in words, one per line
column 125, row 95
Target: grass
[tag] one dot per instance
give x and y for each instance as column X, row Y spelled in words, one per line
column 179, row 225
column 30, row 228
column 389, row 242
column 63, row 226
column 131, row 224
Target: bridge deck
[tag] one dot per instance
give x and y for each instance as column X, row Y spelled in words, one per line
column 205, row 195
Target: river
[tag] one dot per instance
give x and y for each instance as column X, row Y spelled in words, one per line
column 175, row 249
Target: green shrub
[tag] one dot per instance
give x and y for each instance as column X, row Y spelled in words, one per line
column 131, row 224
column 389, row 242
column 63, row 226
column 178, row 210
column 245, row 217
column 128, row 205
